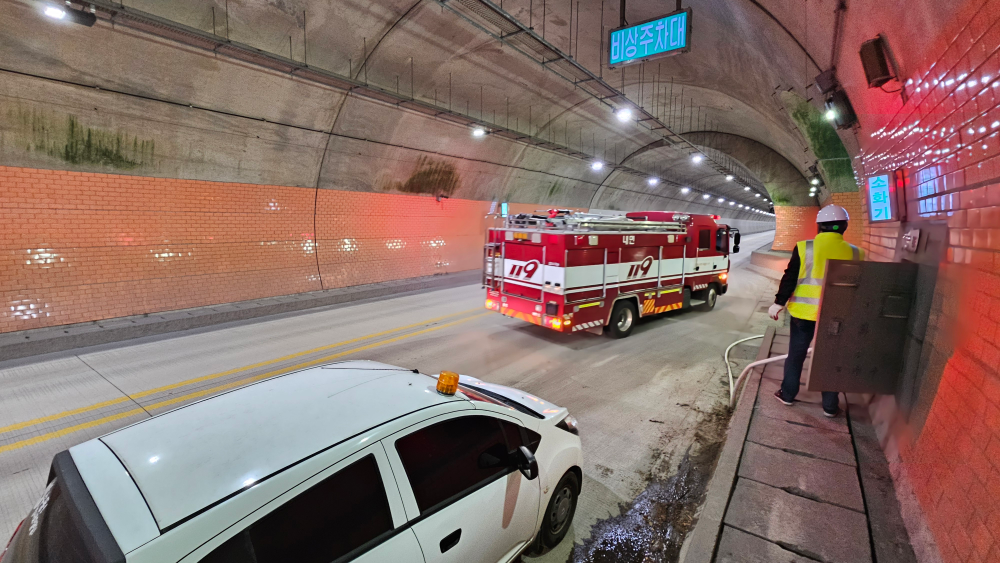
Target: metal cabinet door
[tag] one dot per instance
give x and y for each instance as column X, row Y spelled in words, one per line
column 862, row 327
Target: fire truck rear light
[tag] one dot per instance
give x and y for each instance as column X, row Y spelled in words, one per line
column 447, row 383
column 723, row 276
column 491, row 304
column 556, row 324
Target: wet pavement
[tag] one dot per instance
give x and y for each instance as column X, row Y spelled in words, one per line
column 652, row 528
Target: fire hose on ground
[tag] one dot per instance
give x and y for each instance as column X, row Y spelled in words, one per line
column 734, row 386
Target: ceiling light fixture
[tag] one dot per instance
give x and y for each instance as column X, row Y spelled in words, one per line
column 729, row 177
column 623, row 114
column 697, row 158
column 653, row 181
column 478, row 132
column 685, row 190
column 596, row 165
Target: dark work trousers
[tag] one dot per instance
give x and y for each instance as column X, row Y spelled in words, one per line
column 798, row 346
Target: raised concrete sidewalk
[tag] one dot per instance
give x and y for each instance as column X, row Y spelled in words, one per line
column 25, row 343
column 766, row 257
column 794, row 486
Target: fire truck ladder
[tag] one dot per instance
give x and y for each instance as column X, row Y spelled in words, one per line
column 587, row 222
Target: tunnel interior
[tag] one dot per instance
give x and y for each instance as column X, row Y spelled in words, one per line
column 176, row 155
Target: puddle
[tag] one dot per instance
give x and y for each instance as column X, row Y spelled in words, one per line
column 652, row 528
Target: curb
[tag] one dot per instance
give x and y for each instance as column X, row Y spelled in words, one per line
column 700, row 548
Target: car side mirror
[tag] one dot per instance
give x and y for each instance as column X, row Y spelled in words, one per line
column 736, row 242
column 527, row 463
column 736, row 248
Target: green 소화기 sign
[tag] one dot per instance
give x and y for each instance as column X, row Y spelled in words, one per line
column 880, row 198
column 665, row 35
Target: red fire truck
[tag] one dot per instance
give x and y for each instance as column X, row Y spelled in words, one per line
column 573, row 271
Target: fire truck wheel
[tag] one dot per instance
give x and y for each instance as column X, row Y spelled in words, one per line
column 710, row 296
column 623, row 318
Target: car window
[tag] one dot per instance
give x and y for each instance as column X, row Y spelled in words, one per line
column 449, row 458
column 331, row 519
column 704, row 239
column 49, row 534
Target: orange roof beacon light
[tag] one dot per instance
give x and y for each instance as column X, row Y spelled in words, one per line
column 447, row 383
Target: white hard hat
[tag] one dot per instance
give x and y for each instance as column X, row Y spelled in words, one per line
column 832, row 213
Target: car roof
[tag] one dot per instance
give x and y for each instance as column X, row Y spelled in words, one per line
column 191, row 458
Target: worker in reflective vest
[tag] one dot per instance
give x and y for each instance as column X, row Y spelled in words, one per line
column 800, row 289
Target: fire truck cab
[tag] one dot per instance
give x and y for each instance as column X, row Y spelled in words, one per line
column 572, row 271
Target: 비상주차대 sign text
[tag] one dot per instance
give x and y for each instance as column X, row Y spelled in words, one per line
column 665, row 35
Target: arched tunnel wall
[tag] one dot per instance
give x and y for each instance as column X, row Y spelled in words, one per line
column 136, row 188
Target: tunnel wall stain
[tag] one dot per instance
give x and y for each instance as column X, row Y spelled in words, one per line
column 66, row 138
column 945, row 135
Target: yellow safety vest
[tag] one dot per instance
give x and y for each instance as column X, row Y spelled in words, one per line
column 813, row 255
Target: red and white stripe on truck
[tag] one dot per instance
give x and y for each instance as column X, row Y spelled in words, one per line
column 569, row 277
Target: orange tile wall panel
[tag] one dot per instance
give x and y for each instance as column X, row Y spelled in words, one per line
column 77, row 247
column 851, row 201
column 793, row 224
column 954, row 461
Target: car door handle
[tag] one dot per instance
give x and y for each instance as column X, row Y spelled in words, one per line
column 451, row 540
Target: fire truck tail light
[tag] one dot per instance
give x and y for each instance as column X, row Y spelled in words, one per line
column 491, row 304
column 556, row 324
column 447, row 383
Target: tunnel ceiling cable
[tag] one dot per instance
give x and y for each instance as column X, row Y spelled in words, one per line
column 516, row 35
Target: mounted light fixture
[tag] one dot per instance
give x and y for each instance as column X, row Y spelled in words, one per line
column 839, row 110
column 624, row 115
column 814, row 181
column 697, row 158
column 758, row 195
column 722, row 200
column 478, row 132
column 729, row 177
column 653, row 181
column 596, row 165
column 55, row 13
column 685, row 190
column 67, row 13
column 706, row 196
column 746, row 188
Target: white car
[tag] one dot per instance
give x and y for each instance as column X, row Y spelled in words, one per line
column 352, row 461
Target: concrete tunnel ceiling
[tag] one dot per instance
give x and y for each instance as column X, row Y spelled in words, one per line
column 741, row 57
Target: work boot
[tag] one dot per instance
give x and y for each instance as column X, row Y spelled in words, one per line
column 784, row 401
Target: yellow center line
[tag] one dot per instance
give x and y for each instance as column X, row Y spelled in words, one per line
column 193, row 395
column 139, row 395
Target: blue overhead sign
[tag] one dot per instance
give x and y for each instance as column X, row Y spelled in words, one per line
column 666, row 35
column 879, row 198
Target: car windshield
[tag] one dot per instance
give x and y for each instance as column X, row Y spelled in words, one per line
column 48, row 534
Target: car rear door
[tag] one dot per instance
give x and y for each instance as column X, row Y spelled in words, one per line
column 350, row 512
column 467, row 502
